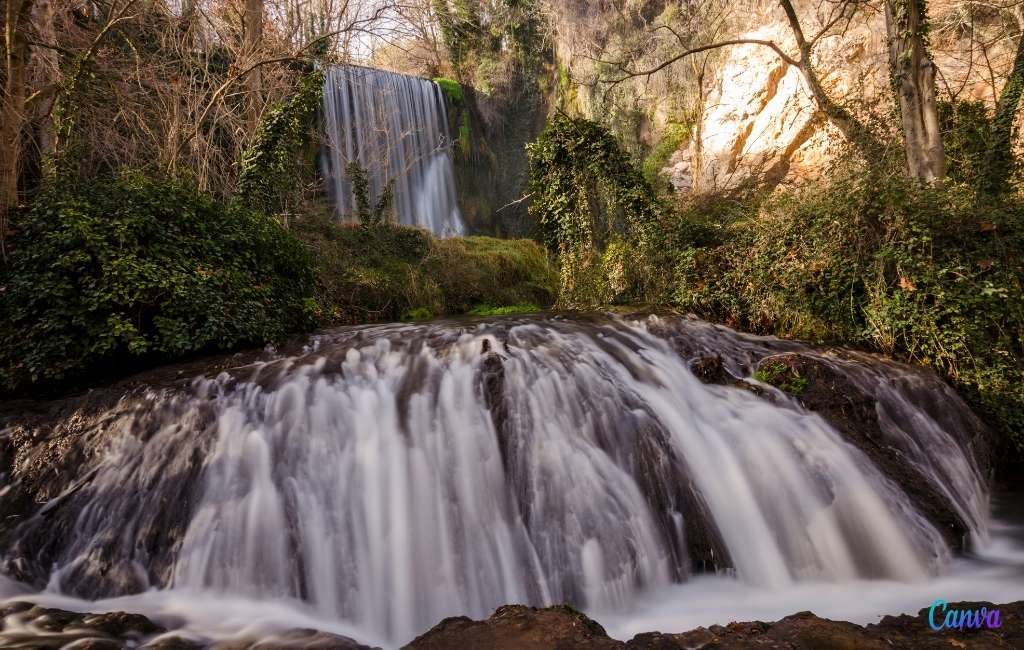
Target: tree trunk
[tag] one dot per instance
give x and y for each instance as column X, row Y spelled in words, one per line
column 1000, row 161
column 16, row 19
column 913, row 76
column 252, row 39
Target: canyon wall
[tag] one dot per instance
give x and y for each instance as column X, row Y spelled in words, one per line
column 747, row 115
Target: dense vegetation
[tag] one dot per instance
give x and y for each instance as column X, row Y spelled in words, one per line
column 128, row 270
column 595, row 210
column 927, row 275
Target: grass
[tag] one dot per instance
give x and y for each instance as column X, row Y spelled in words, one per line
column 489, row 310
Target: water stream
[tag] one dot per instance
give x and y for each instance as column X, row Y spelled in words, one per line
column 391, row 476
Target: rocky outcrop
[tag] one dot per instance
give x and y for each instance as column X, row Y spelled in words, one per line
column 516, row 627
column 24, row 625
column 823, row 388
column 524, row 628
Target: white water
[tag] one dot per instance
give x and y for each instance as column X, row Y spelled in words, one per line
column 364, row 489
column 396, row 127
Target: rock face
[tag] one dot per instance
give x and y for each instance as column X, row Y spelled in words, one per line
column 515, row 627
column 523, row 628
column 840, row 400
column 750, row 115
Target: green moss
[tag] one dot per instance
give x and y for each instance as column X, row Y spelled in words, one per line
column 419, row 313
column 464, row 135
column 394, row 272
column 452, row 90
column 488, row 310
column 673, row 138
column 782, row 377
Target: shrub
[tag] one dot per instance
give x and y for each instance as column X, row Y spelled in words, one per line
column 130, row 270
column 930, row 276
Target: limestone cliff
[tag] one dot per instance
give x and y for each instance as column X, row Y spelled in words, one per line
column 748, row 114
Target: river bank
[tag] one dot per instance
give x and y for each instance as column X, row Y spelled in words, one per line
column 516, row 627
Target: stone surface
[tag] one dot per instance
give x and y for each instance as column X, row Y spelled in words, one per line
column 518, row 627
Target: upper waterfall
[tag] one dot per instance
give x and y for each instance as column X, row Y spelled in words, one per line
column 396, row 127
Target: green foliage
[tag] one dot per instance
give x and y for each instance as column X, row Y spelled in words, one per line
column 927, row 275
column 381, row 210
column 270, row 170
column 488, row 310
column 588, row 196
column 673, row 138
column 782, row 377
column 459, row 114
column 452, row 90
column 394, row 272
column 967, row 139
column 131, row 270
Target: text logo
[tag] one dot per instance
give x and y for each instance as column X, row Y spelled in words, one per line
column 943, row 617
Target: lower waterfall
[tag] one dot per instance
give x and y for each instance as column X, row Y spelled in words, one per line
column 396, row 128
column 391, row 476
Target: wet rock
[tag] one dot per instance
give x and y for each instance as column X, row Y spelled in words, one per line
column 664, row 479
column 516, row 627
column 711, row 370
column 121, row 624
column 822, row 388
column 24, row 625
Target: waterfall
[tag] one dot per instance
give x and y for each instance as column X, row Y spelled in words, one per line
column 396, row 127
column 391, row 476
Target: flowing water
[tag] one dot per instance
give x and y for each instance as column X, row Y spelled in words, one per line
column 395, row 127
column 390, row 476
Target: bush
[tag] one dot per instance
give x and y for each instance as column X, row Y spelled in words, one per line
column 929, row 276
column 136, row 270
column 395, row 272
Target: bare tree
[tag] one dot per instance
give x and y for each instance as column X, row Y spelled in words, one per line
column 17, row 17
column 852, row 128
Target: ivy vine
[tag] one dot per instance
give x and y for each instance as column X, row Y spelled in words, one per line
column 270, row 160
column 588, row 196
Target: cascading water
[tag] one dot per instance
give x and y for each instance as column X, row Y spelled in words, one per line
column 391, row 476
column 396, row 127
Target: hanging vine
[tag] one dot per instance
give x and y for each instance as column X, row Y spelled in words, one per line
column 594, row 209
column 270, row 162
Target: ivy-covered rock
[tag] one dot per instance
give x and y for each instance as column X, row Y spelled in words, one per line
column 595, row 209
column 131, row 270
